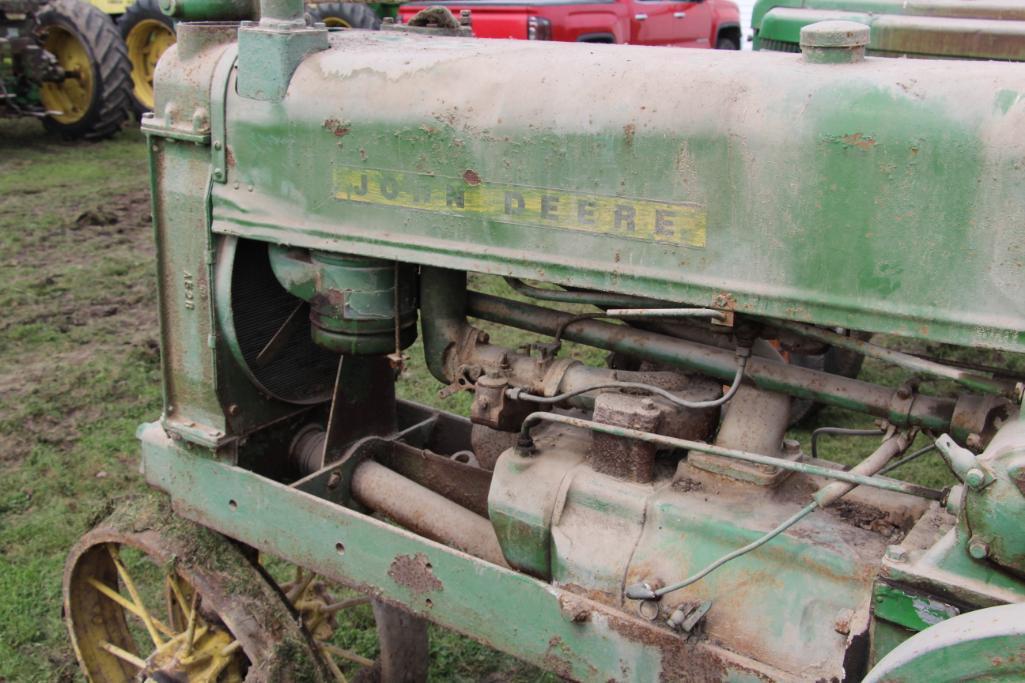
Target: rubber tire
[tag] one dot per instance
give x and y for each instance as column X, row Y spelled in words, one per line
column 356, row 15
column 138, row 11
column 726, row 43
column 111, row 72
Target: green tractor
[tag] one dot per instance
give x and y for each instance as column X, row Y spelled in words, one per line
column 960, row 29
column 63, row 62
column 148, row 32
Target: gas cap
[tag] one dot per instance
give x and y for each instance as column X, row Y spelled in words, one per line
column 834, row 42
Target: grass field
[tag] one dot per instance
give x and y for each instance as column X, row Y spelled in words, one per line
column 79, row 370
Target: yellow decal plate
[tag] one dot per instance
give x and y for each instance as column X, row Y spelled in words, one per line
column 679, row 223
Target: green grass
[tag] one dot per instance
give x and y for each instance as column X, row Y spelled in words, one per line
column 79, row 369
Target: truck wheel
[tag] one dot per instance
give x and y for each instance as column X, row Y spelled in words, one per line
column 344, row 15
column 726, row 43
column 147, row 33
column 92, row 100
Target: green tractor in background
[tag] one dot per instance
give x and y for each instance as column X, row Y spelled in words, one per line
column 64, row 63
column 960, row 29
column 148, row 32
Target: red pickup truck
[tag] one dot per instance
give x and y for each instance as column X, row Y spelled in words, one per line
column 680, row 23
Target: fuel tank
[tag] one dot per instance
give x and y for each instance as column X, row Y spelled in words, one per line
column 883, row 195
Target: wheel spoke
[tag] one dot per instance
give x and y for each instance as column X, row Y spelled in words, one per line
column 346, row 654
column 179, row 595
column 345, row 604
column 231, row 648
column 333, row 666
column 190, row 632
column 123, row 654
column 130, row 585
column 127, row 604
column 299, row 589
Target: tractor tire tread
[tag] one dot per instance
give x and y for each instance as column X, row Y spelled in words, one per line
column 138, row 11
column 110, row 60
column 357, row 15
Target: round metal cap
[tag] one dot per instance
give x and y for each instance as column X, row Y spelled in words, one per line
column 840, row 34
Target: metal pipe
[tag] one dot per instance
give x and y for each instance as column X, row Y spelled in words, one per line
column 880, row 457
column 442, row 317
column 826, row 496
column 518, row 394
column 664, row 313
column 839, row 431
column 643, row 591
column 525, row 443
column 898, row 358
column 425, row 512
column 930, row 412
column 910, row 458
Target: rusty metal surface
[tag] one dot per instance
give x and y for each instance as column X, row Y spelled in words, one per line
column 619, row 457
column 427, row 513
column 462, row 483
column 586, row 639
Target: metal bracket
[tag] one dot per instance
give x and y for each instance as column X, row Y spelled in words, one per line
column 223, row 81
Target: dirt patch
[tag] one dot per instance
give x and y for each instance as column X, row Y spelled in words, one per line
column 86, row 316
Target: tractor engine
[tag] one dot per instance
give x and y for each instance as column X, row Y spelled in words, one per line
column 629, row 271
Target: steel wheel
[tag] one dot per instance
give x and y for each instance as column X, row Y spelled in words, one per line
column 150, row 597
column 147, row 33
column 402, row 645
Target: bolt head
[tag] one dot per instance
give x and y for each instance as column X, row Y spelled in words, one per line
column 974, row 478
column 978, row 549
column 895, row 553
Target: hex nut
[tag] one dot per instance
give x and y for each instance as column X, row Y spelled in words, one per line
column 978, row 549
column 895, row 553
column 975, row 478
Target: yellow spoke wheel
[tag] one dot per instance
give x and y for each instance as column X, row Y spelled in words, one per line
column 147, row 33
column 402, row 650
column 68, row 99
column 90, row 99
column 150, row 597
column 147, row 40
